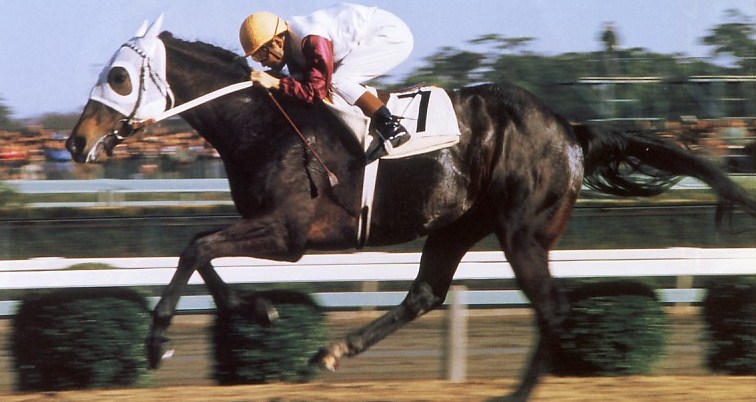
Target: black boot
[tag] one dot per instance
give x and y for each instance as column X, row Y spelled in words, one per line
column 389, row 128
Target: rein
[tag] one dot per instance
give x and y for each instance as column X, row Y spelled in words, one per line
column 332, row 179
column 203, row 99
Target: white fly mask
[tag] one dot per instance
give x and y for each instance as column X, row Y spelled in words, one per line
column 143, row 57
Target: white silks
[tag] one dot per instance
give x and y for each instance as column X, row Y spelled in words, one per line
column 143, row 57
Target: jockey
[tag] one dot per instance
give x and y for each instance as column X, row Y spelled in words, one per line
column 335, row 49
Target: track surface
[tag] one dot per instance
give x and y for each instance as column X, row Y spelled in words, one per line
column 408, row 366
column 617, row 389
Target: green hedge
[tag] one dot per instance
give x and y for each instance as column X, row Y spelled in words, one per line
column 614, row 328
column 729, row 310
column 9, row 195
column 248, row 351
column 80, row 338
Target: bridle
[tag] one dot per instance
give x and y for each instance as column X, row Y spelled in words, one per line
column 145, row 71
column 124, row 128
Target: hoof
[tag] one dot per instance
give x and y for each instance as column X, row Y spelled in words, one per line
column 168, row 354
column 324, row 360
column 328, row 357
column 515, row 397
column 155, row 353
column 263, row 310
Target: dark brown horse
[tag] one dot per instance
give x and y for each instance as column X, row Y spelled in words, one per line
column 515, row 173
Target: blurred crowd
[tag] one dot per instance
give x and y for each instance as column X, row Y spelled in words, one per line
column 30, row 153
column 730, row 143
column 38, row 153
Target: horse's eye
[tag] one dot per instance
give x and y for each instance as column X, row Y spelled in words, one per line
column 118, row 79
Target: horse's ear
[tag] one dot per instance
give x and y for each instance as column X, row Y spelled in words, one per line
column 142, row 29
column 154, row 29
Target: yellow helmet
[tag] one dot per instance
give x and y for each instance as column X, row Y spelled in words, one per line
column 258, row 29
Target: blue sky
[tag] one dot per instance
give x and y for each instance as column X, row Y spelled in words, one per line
column 53, row 50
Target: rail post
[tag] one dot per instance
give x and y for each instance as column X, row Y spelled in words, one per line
column 455, row 353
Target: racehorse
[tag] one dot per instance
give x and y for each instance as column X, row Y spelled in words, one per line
column 516, row 173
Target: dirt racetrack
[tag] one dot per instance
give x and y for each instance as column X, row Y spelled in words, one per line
column 616, row 389
column 408, row 366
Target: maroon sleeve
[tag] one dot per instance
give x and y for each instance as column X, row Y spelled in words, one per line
column 317, row 71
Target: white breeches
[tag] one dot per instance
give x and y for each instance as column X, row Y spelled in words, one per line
column 387, row 42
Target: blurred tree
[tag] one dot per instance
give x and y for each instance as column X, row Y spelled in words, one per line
column 6, row 122
column 736, row 38
column 448, row 68
column 514, row 50
column 609, row 37
column 662, row 89
column 612, row 59
column 515, row 45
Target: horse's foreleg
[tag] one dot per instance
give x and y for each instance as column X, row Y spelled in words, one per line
column 441, row 256
column 264, row 236
column 165, row 309
column 191, row 260
column 226, row 298
column 223, row 295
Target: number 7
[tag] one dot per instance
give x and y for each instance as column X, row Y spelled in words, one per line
column 422, row 113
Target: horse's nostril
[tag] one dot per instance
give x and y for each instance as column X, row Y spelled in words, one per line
column 77, row 145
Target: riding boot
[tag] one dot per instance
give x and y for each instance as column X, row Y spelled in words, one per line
column 386, row 125
column 389, row 128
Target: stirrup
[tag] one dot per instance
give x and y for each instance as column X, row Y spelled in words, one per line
column 386, row 145
column 400, row 137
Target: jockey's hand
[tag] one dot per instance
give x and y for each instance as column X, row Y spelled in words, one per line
column 263, row 79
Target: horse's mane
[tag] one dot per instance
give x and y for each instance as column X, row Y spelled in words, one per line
column 207, row 52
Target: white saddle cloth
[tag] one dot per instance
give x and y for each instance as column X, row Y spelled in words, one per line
column 427, row 113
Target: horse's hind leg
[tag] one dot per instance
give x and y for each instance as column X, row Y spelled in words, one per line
column 529, row 260
column 441, row 256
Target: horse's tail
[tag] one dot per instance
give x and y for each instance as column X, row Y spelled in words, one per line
column 640, row 163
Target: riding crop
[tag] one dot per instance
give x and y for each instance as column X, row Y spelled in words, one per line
column 332, row 179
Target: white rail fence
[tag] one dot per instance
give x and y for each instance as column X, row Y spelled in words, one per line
column 682, row 263
column 168, row 185
column 112, row 192
column 119, row 185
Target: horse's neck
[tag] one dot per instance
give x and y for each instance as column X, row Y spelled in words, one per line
column 190, row 81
